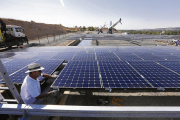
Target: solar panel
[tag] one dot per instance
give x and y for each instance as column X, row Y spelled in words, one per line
column 79, row 74
column 173, row 65
column 87, row 50
column 106, row 56
column 5, row 60
column 17, row 64
column 84, row 56
column 149, row 56
column 44, row 55
column 64, row 55
column 118, row 74
column 157, row 75
column 72, row 50
column 6, row 55
column 127, row 56
column 117, row 49
column 49, row 65
column 101, row 50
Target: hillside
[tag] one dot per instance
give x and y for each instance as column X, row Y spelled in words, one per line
column 32, row 28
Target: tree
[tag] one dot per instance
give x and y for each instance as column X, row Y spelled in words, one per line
column 84, row 28
column 90, row 28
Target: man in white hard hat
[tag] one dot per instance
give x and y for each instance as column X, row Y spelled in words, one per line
column 30, row 89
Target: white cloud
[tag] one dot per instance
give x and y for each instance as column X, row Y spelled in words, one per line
column 62, row 2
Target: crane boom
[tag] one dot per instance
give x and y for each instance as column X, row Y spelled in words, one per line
column 115, row 24
column 111, row 28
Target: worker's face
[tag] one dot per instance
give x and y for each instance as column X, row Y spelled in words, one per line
column 38, row 73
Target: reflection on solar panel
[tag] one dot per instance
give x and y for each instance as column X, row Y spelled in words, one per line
column 119, row 74
column 117, row 50
column 72, row 50
column 127, row 56
column 45, row 55
column 49, row 65
column 157, row 75
column 149, row 56
column 6, row 55
column 64, row 55
column 79, row 74
column 16, row 64
column 101, row 50
column 5, row 60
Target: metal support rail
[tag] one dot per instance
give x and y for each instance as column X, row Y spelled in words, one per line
column 92, row 111
column 4, row 74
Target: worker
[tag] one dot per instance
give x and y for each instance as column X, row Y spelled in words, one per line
column 30, row 89
column 177, row 42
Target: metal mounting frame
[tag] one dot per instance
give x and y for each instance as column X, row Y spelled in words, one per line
column 4, row 74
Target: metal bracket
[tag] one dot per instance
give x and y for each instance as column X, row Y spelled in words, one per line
column 163, row 89
column 1, row 97
column 25, row 115
column 110, row 90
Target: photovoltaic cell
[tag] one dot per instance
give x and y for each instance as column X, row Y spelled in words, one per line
column 157, row 75
column 79, row 74
column 119, row 74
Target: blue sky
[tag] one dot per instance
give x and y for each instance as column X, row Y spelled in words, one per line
column 135, row 14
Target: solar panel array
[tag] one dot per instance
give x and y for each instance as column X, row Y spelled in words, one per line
column 123, row 68
column 101, row 67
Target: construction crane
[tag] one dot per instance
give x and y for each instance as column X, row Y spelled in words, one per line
column 111, row 27
column 100, row 30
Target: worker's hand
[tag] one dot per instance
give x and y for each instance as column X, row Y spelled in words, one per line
column 53, row 92
column 54, row 76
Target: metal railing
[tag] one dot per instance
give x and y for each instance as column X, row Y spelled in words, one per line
column 91, row 111
column 50, row 38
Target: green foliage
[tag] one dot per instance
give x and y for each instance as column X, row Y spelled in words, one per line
column 83, row 28
column 91, row 28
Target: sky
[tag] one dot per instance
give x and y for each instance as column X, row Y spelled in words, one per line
column 135, row 14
